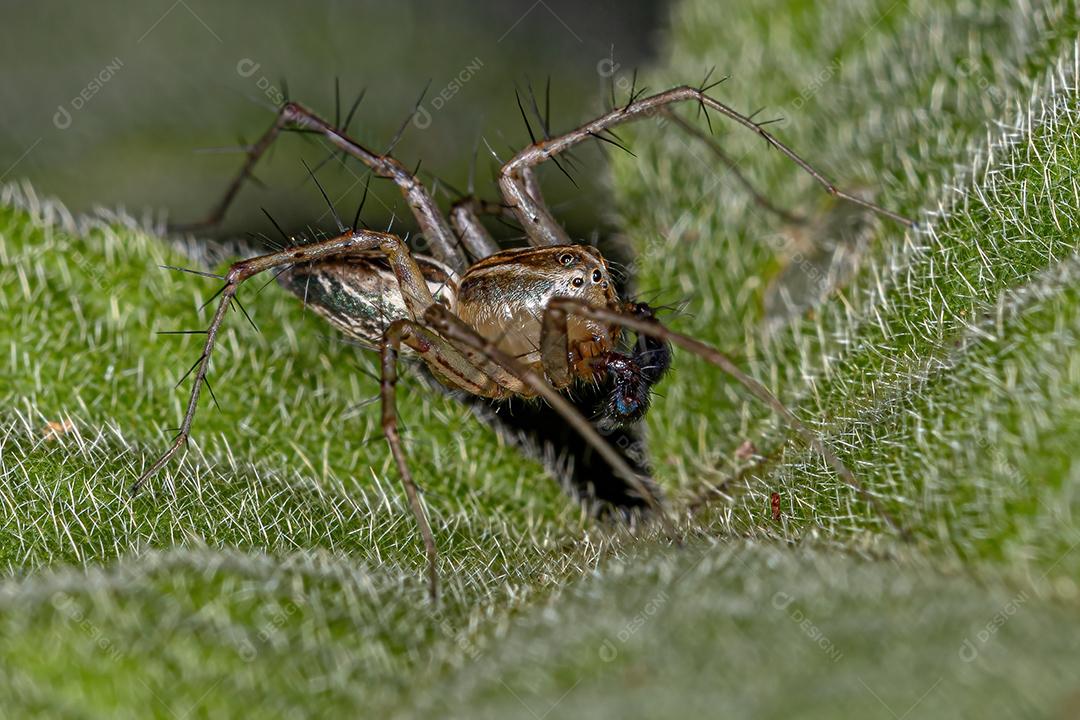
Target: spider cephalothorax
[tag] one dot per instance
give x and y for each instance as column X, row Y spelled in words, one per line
column 504, row 297
column 528, row 322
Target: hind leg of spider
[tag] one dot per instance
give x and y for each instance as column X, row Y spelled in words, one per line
column 640, row 318
column 522, row 194
column 413, row 288
column 444, row 245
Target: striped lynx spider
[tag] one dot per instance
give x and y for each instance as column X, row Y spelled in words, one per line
column 527, row 322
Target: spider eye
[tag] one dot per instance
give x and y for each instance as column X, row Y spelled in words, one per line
column 577, row 282
column 596, row 275
column 566, row 259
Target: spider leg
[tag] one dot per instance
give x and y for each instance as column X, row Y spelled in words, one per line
column 444, row 359
column 464, row 218
column 416, row 295
column 639, row 319
column 443, row 243
column 481, row 349
column 554, row 355
column 733, row 166
column 479, row 378
column 522, row 194
column 531, row 184
column 391, row 346
column 237, row 274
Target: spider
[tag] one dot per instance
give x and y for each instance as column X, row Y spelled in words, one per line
column 525, row 322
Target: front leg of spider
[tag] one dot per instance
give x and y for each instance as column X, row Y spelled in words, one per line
column 559, row 309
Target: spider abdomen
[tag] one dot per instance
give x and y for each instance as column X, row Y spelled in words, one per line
column 358, row 293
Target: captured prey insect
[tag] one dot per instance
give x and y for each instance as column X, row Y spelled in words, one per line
column 526, row 322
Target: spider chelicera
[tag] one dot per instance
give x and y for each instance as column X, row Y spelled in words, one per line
column 526, row 322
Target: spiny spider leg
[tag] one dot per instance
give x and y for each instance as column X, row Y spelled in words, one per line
column 413, row 290
column 522, row 194
column 440, row 354
column 465, row 219
column 479, row 377
column 440, row 237
column 640, row 319
column 479, row 350
column 391, row 346
column 733, row 166
column 465, row 211
column 237, row 274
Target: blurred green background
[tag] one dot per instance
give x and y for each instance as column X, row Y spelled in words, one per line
column 165, row 78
